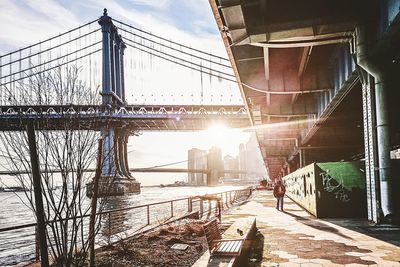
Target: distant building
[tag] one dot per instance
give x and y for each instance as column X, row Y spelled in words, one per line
column 232, row 164
column 197, row 159
column 250, row 160
column 215, row 165
column 242, row 160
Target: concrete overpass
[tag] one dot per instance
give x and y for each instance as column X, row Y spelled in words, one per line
column 319, row 79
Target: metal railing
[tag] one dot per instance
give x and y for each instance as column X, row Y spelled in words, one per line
column 117, row 224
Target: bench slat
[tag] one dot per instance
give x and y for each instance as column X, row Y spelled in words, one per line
column 224, row 246
column 220, row 246
column 237, row 246
column 231, row 247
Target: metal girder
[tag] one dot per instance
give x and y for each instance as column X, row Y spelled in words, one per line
column 150, row 118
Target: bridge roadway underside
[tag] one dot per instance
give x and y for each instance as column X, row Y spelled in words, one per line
column 320, row 80
column 134, row 118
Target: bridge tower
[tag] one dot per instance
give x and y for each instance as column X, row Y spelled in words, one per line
column 115, row 176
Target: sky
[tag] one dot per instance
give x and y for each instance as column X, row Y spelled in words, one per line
column 189, row 22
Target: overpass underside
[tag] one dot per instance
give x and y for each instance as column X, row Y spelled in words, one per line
column 319, row 79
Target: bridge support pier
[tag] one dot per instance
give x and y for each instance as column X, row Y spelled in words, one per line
column 115, row 178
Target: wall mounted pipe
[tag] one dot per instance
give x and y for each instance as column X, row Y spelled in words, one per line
column 382, row 121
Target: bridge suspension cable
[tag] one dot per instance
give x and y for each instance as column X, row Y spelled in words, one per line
column 50, row 61
column 182, row 64
column 173, row 48
column 170, row 41
column 49, row 39
column 80, row 47
column 77, row 48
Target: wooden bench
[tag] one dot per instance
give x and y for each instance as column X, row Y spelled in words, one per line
column 219, row 246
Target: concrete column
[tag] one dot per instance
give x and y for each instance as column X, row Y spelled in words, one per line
column 117, row 153
column 108, row 168
column 106, row 25
column 123, row 153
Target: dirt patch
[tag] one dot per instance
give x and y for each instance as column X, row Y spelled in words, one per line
column 154, row 248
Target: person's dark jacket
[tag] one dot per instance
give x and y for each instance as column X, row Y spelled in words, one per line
column 279, row 190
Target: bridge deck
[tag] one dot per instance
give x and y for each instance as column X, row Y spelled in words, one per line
column 142, row 118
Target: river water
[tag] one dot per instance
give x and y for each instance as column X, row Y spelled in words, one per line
column 18, row 245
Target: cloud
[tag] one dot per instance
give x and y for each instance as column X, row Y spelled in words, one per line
column 159, row 4
column 31, row 21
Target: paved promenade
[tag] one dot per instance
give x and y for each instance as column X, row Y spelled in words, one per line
column 295, row 238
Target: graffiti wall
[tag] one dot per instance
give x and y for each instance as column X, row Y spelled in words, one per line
column 329, row 190
column 341, row 190
column 300, row 186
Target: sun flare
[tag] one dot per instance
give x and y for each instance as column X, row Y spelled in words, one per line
column 224, row 137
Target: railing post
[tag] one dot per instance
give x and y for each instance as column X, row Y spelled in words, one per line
column 190, row 204
column 201, row 208
column 219, row 210
column 148, row 214
column 109, row 228
column 172, row 209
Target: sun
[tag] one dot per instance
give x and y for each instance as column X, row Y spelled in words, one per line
column 224, row 137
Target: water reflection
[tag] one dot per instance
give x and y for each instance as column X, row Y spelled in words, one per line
column 113, row 223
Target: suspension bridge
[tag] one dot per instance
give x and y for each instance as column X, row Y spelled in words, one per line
column 87, row 79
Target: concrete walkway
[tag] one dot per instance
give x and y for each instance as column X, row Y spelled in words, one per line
column 295, row 238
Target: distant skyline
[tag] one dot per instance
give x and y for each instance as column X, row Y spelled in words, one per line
column 186, row 21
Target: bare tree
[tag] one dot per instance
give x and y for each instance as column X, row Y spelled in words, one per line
column 70, row 151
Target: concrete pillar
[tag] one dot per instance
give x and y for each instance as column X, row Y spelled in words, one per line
column 108, row 168
column 115, row 175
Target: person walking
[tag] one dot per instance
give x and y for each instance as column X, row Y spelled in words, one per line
column 279, row 193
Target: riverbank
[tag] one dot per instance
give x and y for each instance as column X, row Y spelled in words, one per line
column 154, row 248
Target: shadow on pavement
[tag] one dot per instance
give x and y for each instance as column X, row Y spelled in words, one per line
column 317, row 225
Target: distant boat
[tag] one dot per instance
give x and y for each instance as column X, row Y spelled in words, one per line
column 15, row 189
column 176, row 184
